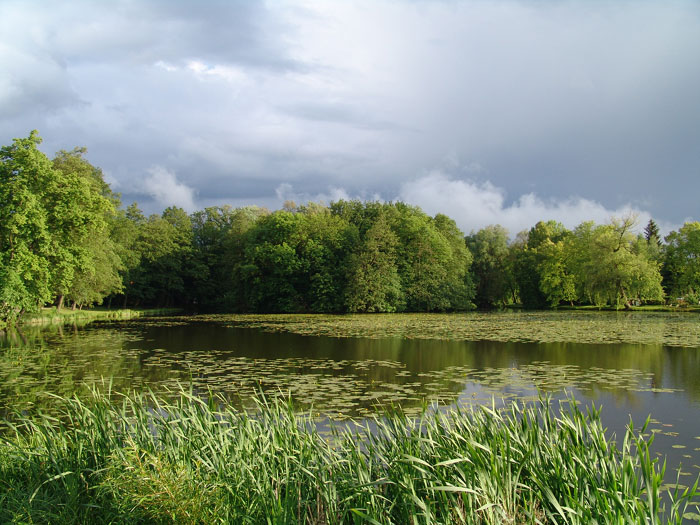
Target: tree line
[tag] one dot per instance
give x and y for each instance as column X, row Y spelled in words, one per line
column 66, row 239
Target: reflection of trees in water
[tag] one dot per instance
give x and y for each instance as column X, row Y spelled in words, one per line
column 65, row 360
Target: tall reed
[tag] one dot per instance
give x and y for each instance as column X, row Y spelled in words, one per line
column 138, row 459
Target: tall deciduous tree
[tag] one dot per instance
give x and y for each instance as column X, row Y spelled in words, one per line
column 53, row 228
column 489, row 248
column 327, row 241
column 25, row 236
column 543, row 276
column 524, row 268
column 273, row 270
column 557, row 281
column 164, row 247
column 219, row 245
column 614, row 266
column 457, row 289
column 86, row 259
column 421, row 256
column 373, row 283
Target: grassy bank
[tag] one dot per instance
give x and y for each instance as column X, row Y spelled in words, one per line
column 141, row 460
column 66, row 315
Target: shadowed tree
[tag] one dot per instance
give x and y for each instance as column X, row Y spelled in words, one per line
column 489, row 248
column 164, row 247
column 373, row 283
column 219, row 244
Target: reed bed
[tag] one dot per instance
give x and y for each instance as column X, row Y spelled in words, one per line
column 139, row 459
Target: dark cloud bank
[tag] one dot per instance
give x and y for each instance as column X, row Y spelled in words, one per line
column 504, row 112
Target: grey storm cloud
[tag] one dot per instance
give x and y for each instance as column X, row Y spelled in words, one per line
column 570, row 108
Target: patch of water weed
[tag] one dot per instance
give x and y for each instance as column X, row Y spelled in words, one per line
column 348, row 388
column 541, row 327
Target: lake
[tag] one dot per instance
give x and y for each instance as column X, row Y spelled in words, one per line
column 637, row 365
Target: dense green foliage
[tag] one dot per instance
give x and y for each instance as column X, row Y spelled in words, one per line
column 54, row 230
column 683, row 262
column 64, row 238
column 491, row 256
column 593, row 264
column 142, row 460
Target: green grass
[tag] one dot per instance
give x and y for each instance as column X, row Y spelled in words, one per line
column 50, row 315
column 137, row 459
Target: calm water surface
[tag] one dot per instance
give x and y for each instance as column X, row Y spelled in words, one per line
column 352, row 377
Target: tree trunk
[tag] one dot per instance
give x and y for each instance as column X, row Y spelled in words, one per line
column 21, row 335
column 73, row 306
column 60, row 302
column 624, row 298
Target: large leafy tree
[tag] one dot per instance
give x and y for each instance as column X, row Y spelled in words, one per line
column 457, row 289
column 86, row 258
column 327, row 242
column 540, row 268
column 163, row 244
column 557, row 282
column 492, row 274
column 524, row 264
column 422, row 254
column 613, row 266
column 431, row 259
column 125, row 231
column 373, row 283
column 219, row 235
column 54, row 231
column 273, row 269
column 295, row 260
column 25, row 235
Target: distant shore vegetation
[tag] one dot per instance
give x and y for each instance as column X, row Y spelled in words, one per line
column 66, row 240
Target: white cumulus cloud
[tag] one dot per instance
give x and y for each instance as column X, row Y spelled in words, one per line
column 162, row 185
column 286, row 192
column 476, row 205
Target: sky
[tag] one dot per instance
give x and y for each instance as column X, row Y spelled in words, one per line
column 492, row 112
